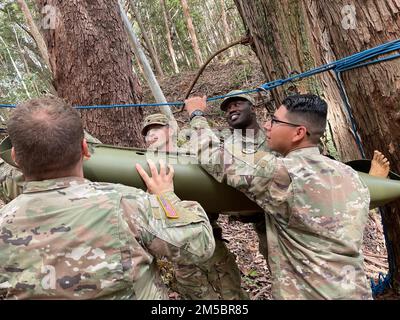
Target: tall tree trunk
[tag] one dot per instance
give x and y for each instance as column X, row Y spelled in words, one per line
column 150, row 48
column 192, row 32
column 225, row 24
column 168, row 36
column 181, row 46
column 284, row 44
column 374, row 91
column 148, row 72
column 297, row 35
column 91, row 63
column 35, row 32
column 213, row 31
column 22, row 55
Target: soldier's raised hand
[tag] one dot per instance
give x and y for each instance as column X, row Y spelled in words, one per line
column 195, row 103
column 158, row 183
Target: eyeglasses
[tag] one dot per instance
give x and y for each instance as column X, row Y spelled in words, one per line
column 271, row 118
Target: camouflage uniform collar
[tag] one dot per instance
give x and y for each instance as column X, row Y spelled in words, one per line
column 303, row 152
column 52, row 184
column 257, row 139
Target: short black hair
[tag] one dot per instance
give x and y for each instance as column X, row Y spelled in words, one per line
column 311, row 110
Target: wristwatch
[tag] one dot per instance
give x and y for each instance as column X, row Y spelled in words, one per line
column 196, row 113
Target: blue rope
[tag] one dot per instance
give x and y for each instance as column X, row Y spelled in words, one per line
column 354, row 61
column 350, row 116
column 7, row 105
column 383, row 285
column 384, row 282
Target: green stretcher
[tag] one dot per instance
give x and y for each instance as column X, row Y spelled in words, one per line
column 191, row 181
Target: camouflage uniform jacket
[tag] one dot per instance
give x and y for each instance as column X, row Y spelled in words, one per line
column 11, row 178
column 316, row 210
column 70, row 238
column 249, row 144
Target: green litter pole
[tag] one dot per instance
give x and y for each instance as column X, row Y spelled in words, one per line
column 192, row 182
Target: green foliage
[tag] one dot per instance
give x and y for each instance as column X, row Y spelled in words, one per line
column 23, row 74
column 18, row 52
column 206, row 16
column 241, row 76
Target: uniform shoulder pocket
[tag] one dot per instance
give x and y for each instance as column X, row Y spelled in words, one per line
column 187, row 211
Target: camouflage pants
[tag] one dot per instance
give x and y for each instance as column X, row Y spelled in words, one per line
column 217, row 278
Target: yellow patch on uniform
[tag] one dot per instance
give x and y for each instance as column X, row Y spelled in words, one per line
column 168, row 208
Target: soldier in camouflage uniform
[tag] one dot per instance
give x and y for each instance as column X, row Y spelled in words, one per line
column 217, row 278
column 316, row 208
column 65, row 237
column 11, row 178
column 247, row 138
column 157, row 133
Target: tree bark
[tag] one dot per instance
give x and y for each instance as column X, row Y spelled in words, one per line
column 192, row 32
column 91, row 62
column 150, row 48
column 294, row 36
column 168, row 36
column 374, row 91
column 284, row 43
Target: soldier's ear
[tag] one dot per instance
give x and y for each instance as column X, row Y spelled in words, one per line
column 300, row 134
column 85, row 149
column 13, row 156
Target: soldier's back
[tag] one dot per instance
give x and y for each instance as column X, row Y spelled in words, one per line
column 318, row 210
column 68, row 239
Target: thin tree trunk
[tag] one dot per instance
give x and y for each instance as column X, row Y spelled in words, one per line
column 168, row 36
column 213, row 34
column 150, row 48
column 35, row 32
column 148, row 72
column 21, row 79
column 243, row 41
column 91, row 63
column 227, row 30
column 182, row 49
column 192, row 33
column 22, row 54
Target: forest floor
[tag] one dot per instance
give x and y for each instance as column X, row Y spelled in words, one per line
column 245, row 73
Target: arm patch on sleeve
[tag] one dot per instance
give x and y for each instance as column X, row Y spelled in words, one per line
column 168, row 208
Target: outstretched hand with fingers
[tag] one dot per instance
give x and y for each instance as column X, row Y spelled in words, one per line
column 158, row 183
